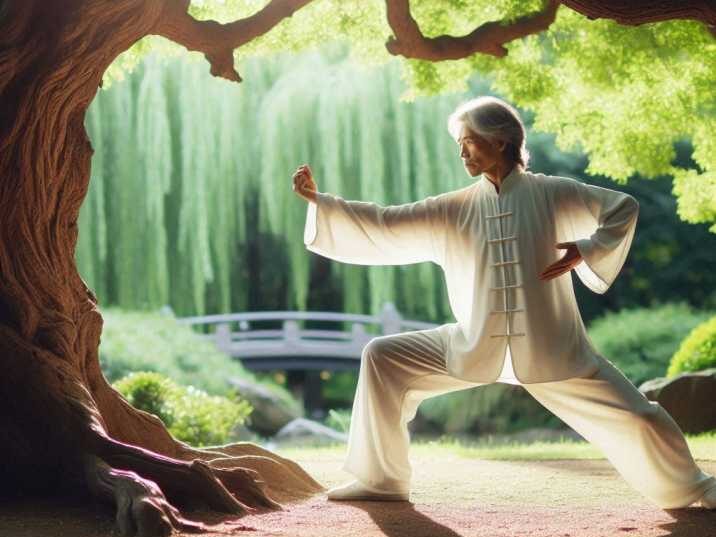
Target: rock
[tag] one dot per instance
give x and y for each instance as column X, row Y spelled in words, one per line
column 270, row 411
column 690, row 398
column 302, row 432
column 243, row 434
column 421, row 425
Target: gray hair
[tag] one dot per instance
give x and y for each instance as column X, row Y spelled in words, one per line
column 494, row 119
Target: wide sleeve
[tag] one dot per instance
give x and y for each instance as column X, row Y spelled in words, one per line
column 365, row 233
column 601, row 222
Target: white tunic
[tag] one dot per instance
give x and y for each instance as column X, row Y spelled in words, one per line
column 492, row 247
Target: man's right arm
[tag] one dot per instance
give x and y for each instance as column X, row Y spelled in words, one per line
column 366, row 233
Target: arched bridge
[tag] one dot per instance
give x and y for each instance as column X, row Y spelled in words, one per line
column 293, row 348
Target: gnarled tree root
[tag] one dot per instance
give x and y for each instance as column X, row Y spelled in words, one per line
column 144, row 485
column 284, row 478
column 191, row 479
column 142, row 509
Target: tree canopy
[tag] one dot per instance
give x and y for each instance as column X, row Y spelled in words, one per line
column 624, row 95
column 189, row 205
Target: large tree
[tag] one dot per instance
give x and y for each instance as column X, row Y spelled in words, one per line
column 62, row 425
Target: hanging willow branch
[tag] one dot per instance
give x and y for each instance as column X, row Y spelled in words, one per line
column 170, row 226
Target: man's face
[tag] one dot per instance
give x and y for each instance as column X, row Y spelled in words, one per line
column 478, row 154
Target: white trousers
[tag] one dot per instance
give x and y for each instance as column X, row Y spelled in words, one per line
column 636, row 435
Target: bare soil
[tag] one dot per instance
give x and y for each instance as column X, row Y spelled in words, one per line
column 452, row 496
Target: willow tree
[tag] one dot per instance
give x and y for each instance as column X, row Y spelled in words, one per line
column 62, row 425
column 175, row 219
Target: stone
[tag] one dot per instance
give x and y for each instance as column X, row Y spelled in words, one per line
column 242, row 433
column 421, row 425
column 270, row 412
column 305, row 432
column 690, row 398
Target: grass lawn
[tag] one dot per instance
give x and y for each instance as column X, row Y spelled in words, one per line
column 703, row 447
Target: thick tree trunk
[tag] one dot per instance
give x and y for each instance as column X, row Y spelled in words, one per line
column 63, row 427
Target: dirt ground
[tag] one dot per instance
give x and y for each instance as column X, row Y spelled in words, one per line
column 452, row 497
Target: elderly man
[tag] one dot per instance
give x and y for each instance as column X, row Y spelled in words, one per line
column 498, row 241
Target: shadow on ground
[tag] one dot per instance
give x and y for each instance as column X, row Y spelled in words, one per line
column 452, row 496
column 403, row 519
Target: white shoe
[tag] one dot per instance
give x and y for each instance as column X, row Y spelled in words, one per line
column 708, row 500
column 355, row 490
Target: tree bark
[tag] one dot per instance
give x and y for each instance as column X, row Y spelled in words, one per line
column 488, row 38
column 64, row 428
column 638, row 12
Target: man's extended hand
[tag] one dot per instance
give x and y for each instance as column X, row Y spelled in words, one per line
column 571, row 259
column 303, row 183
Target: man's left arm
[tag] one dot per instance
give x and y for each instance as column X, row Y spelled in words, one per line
column 601, row 223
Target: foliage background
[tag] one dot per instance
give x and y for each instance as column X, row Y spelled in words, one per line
column 631, row 92
column 190, row 203
column 146, row 341
column 642, row 341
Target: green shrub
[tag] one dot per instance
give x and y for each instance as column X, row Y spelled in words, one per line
column 153, row 341
column 641, row 341
column 697, row 350
column 149, row 392
column 190, row 414
column 493, row 408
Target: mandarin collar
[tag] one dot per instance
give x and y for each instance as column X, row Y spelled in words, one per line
column 508, row 182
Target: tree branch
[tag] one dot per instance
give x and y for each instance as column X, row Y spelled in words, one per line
column 488, row 38
column 217, row 41
column 638, row 12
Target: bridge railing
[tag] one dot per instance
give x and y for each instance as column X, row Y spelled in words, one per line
column 232, row 332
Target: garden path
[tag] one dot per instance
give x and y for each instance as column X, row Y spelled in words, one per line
column 453, row 496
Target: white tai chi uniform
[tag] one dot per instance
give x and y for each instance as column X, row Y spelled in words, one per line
column 492, row 246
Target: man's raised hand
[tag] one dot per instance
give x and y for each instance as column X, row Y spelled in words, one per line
column 303, row 183
column 571, row 259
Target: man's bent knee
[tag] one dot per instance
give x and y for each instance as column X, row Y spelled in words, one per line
column 375, row 348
